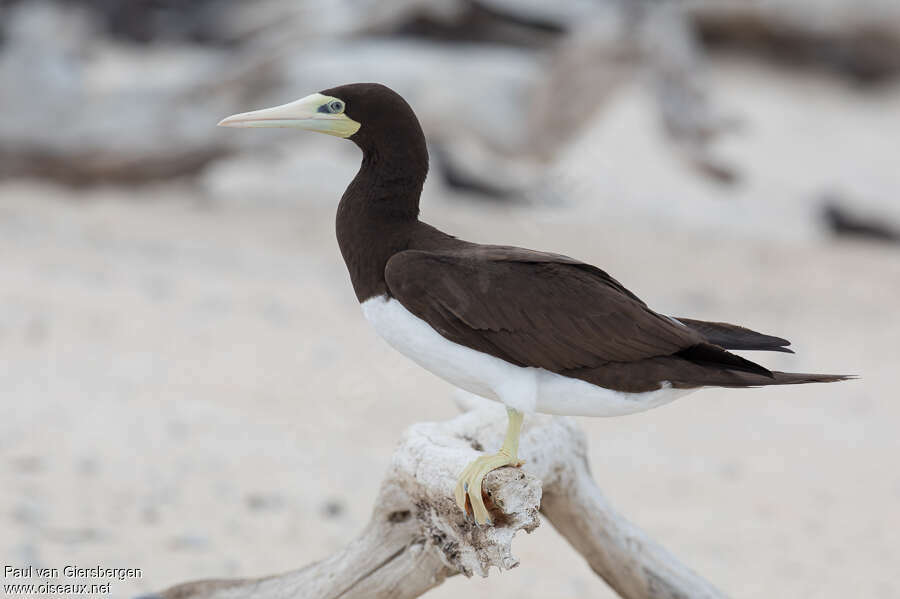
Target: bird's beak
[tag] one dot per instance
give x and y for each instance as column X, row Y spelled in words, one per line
column 306, row 113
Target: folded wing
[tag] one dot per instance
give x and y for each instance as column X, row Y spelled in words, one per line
column 542, row 310
column 732, row 336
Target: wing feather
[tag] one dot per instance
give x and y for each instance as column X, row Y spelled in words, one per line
column 531, row 308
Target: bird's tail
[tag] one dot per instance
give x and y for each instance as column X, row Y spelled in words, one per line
column 799, row 378
column 722, row 368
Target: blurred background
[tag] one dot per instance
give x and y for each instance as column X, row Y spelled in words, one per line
column 187, row 385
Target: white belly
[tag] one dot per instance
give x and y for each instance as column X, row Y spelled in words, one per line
column 523, row 388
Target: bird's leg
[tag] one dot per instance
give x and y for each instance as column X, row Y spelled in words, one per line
column 469, row 485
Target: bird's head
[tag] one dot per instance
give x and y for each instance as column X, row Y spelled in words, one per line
column 366, row 113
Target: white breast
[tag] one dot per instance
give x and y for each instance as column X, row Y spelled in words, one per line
column 525, row 389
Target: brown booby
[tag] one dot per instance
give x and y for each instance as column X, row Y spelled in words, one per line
column 537, row 331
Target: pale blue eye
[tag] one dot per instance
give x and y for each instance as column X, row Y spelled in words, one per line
column 335, row 107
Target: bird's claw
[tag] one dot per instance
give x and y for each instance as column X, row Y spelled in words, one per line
column 468, row 491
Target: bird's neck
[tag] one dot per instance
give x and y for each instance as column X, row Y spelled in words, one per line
column 378, row 214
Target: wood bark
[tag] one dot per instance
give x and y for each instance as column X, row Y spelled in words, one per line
column 417, row 537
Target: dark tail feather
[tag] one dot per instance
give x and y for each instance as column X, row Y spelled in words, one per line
column 732, row 336
column 743, row 380
column 798, row 378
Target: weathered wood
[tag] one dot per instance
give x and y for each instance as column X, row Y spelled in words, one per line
column 417, row 537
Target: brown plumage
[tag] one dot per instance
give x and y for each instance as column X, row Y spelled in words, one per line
column 526, row 307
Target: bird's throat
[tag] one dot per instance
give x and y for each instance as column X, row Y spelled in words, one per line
column 376, row 218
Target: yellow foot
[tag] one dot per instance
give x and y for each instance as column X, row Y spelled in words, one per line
column 469, row 485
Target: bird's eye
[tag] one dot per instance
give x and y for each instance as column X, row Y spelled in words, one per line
column 335, row 107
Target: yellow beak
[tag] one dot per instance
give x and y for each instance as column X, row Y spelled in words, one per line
column 305, row 113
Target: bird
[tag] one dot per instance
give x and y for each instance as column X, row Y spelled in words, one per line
column 533, row 330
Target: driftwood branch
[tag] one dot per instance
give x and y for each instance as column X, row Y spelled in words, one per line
column 417, row 537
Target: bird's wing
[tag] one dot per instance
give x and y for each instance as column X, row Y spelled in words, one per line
column 732, row 336
column 532, row 308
